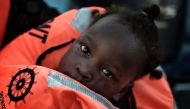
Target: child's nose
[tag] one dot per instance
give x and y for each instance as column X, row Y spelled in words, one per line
column 85, row 74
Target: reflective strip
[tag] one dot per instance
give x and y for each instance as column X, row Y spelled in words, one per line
column 159, row 68
column 82, row 19
column 55, row 79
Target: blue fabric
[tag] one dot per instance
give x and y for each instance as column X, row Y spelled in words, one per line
column 59, row 5
column 82, row 19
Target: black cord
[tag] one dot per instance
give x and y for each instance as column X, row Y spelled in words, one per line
column 50, row 50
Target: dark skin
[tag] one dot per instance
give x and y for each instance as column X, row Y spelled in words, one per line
column 106, row 57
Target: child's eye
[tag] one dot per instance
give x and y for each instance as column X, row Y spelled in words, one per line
column 107, row 73
column 85, row 49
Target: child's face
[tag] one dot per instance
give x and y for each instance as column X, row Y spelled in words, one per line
column 105, row 58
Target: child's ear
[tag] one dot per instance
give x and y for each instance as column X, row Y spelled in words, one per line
column 122, row 92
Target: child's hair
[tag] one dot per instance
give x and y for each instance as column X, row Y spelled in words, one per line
column 143, row 26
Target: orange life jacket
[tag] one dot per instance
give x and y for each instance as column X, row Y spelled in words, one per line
column 4, row 10
column 46, row 44
column 35, row 87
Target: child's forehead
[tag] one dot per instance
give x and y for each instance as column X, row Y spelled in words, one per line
column 108, row 18
column 110, row 27
column 109, row 30
column 107, row 21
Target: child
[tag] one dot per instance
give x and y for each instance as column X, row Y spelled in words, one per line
column 118, row 48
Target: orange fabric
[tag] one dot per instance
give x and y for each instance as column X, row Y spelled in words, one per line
column 4, row 10
column 16, row 94
column 26, row 49
column 153, row 94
